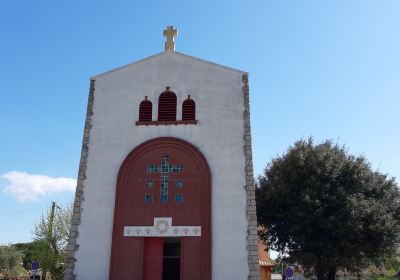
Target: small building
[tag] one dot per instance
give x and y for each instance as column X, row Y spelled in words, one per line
column 266, row 264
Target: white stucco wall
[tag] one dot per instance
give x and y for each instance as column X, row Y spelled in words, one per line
column 218, row 94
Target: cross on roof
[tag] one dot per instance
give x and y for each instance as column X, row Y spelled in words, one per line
column 170, row 33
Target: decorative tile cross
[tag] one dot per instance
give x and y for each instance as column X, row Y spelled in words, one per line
column 164, row 169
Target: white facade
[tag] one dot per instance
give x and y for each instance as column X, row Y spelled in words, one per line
column 219, row 135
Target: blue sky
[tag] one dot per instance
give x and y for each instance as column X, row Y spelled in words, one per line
column 327, row 69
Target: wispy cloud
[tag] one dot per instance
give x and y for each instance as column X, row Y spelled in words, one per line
column 32, row 187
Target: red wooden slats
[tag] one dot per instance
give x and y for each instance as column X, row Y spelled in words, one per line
column 145, row 111
column 167, row 110
column 188, row 110
column 167, row 106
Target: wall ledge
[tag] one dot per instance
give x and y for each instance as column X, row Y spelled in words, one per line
column 147, row 123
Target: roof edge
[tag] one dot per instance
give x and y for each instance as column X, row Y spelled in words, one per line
column 168, row 52
column 213, row 63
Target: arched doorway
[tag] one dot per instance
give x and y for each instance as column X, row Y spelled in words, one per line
column 162, row 218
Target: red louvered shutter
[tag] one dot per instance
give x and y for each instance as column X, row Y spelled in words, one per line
column 167, row 106
column 188, row 110
column 145, row 110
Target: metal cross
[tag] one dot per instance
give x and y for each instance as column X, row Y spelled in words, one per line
column 170, row 33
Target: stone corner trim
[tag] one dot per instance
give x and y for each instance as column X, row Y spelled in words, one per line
column 73, row 246
column 252, row 238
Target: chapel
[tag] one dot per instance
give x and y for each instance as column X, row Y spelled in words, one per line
column 165, row 187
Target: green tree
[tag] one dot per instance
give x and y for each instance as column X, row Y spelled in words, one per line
column 29, row 250
column 51, row 237
column 391, row 268
column 327, row 209
column 10, row 261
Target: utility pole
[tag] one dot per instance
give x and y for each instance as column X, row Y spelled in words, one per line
column 50, row 232
column 51, row 222
column 53, row 206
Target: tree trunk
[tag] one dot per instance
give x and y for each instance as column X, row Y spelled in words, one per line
column 332, row 273
column 320, row 275
column 319, row 270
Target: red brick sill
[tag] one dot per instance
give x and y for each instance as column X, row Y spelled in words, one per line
column 146, row 123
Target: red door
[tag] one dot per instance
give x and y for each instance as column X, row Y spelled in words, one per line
column 153, row 258
column 163, row 177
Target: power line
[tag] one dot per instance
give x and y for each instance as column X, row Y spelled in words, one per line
column 21, row 212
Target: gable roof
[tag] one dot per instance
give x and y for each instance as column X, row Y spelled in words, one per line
column 169, row 53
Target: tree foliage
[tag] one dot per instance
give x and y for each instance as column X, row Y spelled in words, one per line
column 10, row 261
column 51, row 238
column 30, row 251
column 9, row 258
column 327, row 209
